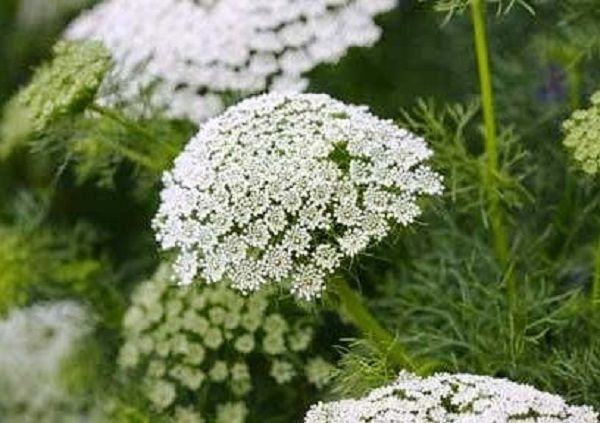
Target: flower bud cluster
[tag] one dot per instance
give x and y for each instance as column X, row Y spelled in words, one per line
column 197, row 347
column 66, row 84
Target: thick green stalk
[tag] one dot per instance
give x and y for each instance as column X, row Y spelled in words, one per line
column 353, row 308
column 478, row 14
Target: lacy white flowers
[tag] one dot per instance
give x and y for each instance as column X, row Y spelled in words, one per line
column 35, row 344
column 281, row 188
column 193, row 53
column 446, row 398
column 202, row 349
column 582, row 132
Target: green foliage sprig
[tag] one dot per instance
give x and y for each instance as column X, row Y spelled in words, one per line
column 451, row 7
column 452, row 130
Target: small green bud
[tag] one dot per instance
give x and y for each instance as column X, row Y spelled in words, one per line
column 219, row 371
column 245, row 343
column 161, row 393
column 282, row 371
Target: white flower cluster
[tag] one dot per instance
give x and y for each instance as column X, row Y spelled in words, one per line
column 197, row 346
column 196, row 52
column 282, row 187
column 35, row 344
column 446, row 398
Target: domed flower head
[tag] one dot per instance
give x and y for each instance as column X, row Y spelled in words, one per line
column 199, row 348
column 36, row 344
column 582, row 136
column 446, row 398
column 194, row 53
column 282, row 188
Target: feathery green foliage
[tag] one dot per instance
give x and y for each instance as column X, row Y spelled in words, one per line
column 361, row 369
column 447, row 301
column 15, row 127
column 579, row 25
column 452, row 131
column 38, row 263
column 18, row 250
column 457, row 6
column 97, row 146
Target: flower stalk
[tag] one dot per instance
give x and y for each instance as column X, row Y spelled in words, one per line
column 352, row 307
column 575, row 83
column 596, row 278
column 133, row 155
column 478, row 13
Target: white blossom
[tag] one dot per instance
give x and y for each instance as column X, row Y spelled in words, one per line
column 447, row 398
column 271, row 192
column 35, row 344
column 194, row 53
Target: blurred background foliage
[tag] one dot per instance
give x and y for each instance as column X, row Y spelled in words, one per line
column 75, row 213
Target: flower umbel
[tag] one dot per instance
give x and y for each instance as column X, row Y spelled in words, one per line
column 195, row 53
column 35, row 344
column 582, row 136
column 446, row 398
column 283, row 188
column 200, row 342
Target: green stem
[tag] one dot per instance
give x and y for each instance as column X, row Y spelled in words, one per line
column 575, row 82
column 137, row 157
column 131, row 154
column 478, row 9
column 596, row 282
column 132, row 126
column 352, row 307
column 564, row 215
